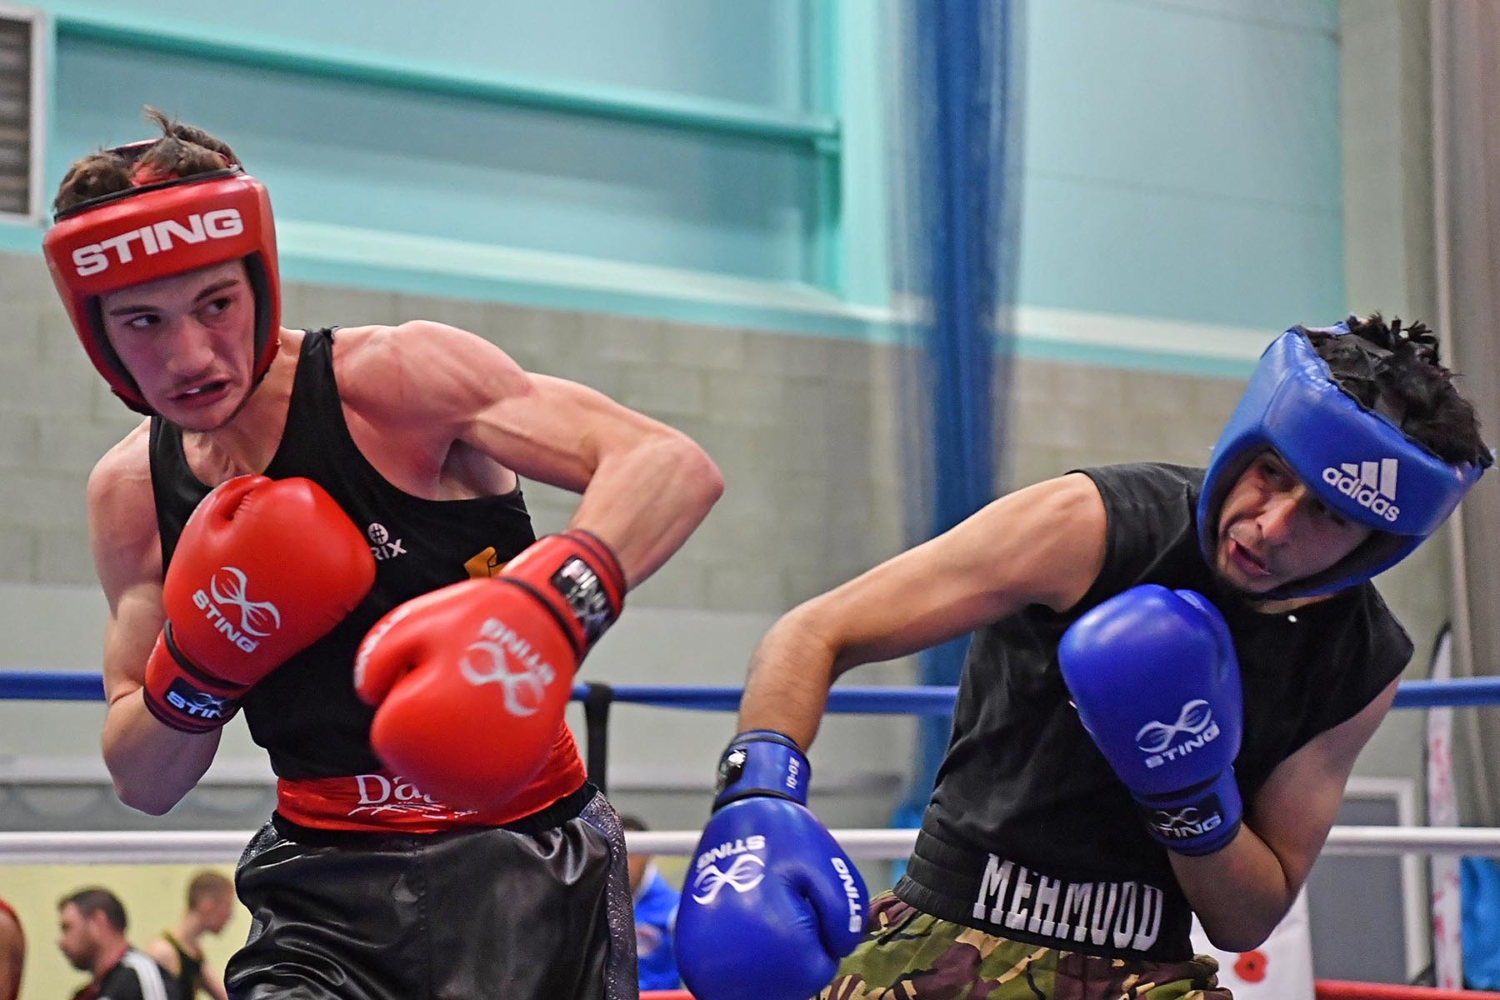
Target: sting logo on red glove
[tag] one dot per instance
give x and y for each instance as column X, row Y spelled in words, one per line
column 246, row 590
column 196, row 704
column 504, row 658
column 257, row 618
column 470, row 682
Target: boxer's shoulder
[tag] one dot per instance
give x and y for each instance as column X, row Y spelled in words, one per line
column 123, row 473
column 1045, row 542
column 122, row 512
column 420, row 372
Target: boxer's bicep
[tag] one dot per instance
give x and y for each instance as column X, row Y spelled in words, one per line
column 126, row 548
column 1294, row 810
column 129, row 633
column 1040, row 545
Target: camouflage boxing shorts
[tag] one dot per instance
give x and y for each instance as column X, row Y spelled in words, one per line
column 909, row 955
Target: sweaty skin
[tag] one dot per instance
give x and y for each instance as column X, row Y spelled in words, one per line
column 1044, row 544
column 440, row 413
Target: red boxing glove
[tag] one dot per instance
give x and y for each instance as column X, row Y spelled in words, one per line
column 470, row 681
column 263, row 569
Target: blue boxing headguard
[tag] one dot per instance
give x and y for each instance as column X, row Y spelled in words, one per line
column 1355, row 461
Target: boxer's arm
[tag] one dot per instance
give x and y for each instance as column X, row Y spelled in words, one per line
column 165, row 955
column 12, row 955
column 1241, row 893
column 212, row 983
column 1040, row 545
column 645, row 485
column 153, row 766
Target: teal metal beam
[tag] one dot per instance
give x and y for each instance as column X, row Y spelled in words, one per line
column 634, row 105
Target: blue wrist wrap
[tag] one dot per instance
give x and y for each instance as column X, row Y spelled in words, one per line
column 762, row 762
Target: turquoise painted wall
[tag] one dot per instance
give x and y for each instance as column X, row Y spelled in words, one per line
column 358, row 155
column 751, row 52
column 1182, row 160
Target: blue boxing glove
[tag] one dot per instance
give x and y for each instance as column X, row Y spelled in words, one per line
column 771, row 901
column 1153, row 675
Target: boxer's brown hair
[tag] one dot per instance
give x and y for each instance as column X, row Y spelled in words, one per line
column 182, row 151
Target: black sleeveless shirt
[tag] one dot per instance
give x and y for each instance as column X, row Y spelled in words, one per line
column 306, row 713
column 1029, row 835
column 189, row 968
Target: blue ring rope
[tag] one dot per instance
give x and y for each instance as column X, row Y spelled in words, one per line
column 39, row 685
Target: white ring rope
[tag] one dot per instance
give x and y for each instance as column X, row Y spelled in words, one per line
column 202, row 847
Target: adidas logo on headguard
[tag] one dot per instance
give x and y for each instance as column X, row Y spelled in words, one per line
column 1369, row 484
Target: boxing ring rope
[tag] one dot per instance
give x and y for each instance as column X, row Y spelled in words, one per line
column 72, row 685
column 62, row 847
column 869, row 844
column 883, row 844
column 218, row 846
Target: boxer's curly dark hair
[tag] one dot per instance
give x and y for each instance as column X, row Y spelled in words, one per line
column 1396, row 370
column 182, row 151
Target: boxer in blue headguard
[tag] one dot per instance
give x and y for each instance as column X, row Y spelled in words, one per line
column 1171, row 674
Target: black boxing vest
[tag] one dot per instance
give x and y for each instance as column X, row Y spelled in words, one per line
column 1029, row 835
column 306, row 713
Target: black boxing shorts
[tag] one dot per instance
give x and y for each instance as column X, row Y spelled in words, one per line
column 534, row 910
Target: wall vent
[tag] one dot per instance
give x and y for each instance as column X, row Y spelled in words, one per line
column 22, row 43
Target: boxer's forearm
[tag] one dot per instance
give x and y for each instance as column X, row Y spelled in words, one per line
column 1239, row 893
column 790, row 674
column 646, row 500
column 153, row 766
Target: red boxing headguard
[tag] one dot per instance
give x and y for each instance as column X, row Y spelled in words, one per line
column 155, row 231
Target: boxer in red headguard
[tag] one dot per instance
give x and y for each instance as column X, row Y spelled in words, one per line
column 294, row 532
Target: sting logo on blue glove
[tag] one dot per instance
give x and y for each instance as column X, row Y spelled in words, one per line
column 798, row 902
column 744, row 874
column 1195, row 721
column 852, row 892
column 1155, row 680
column 1185, row 822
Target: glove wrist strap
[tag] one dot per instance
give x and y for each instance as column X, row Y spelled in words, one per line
column 578, row 578
column 180, row 695
column 762, row 762
column 1198, row 820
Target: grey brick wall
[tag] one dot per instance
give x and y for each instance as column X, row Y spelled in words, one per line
column 807, row 432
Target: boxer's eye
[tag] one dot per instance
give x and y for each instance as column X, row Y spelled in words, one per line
column 1273, row 472
column 1328, row 514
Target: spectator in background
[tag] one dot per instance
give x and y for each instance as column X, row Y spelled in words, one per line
column 91, row 933
column 210, row 903
column 655, row 913
column 12, row 952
